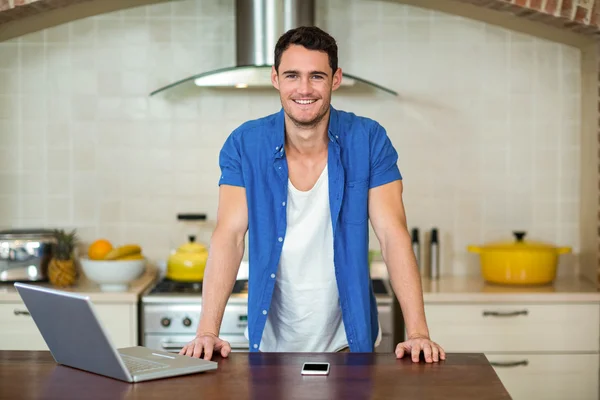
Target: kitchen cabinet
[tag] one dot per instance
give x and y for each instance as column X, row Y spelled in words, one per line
column 546, row 351
column 19, row 332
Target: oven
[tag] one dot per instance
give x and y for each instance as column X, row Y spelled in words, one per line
column 170, row 313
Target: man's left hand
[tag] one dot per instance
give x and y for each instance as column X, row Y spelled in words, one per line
column 433, row 352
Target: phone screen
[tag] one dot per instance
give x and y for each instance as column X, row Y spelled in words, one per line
column 315, row 367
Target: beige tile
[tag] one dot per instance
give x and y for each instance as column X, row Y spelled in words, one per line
column 110, row 212
column 8, row 107
column 32, row 158
column 84, row 159
column 9, row 56
column 9, row 160
column 85, row 209
column 58, row 210
column 31, row 183
column 32, row 207
column 59, row 184
column 9, row 207
column 59, row 160
column 8, row 84
column 58, row 34
column 82, row 31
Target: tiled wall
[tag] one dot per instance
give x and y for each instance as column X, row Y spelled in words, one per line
column 486, row 126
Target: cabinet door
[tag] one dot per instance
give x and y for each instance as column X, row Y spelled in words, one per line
column 119, row 322
column 508, row 327
column 19, row 331
column 548, row 376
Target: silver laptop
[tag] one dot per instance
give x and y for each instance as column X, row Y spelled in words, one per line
column 76, row 338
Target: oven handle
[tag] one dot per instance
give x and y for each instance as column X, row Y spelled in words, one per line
column 175, row 346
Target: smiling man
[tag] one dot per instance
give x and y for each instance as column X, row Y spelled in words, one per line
column 304, row 183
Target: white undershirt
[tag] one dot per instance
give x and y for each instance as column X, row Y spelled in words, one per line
column 305, row 314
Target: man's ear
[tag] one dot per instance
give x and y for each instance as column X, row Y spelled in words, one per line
column 337, row 79
column 274, row 78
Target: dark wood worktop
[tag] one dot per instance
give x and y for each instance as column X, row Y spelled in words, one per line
column 263, row 376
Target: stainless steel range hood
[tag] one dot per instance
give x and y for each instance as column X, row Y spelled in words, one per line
column 259, row 24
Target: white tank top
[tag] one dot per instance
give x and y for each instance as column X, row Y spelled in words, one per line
column 305, row 314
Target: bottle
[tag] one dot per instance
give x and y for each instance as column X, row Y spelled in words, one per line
column 416, row 246
column 434, row 255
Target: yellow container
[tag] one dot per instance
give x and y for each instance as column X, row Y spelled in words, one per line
column 519, row 262
column 187, row 264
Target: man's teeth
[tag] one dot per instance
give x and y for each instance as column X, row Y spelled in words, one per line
column 304, row 101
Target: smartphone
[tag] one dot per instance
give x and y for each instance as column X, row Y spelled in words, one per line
column 315, row 368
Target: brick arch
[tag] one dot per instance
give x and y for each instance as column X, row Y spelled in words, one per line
column 576, row 15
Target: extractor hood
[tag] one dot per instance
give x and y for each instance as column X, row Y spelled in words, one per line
column 258, row 26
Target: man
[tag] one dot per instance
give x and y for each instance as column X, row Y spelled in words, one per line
column 305, row 183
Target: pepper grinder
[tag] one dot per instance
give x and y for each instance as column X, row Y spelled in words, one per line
column 434, row 255
column 416, row 246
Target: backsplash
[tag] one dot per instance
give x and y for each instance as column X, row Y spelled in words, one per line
column 487, row 124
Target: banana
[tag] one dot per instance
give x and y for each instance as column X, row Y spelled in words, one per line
column 135, row 256
column 123, row 251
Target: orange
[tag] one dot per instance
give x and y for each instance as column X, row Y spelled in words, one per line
column 99, row 249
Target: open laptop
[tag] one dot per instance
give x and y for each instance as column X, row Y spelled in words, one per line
column 76, row 338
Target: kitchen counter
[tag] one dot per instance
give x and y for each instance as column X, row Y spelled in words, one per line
column 475, row 289
column 34, row 374
column 84, row 286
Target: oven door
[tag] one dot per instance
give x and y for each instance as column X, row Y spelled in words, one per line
column 174, row 343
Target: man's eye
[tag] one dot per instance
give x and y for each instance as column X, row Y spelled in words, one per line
column 290, row 76
column 317, row 77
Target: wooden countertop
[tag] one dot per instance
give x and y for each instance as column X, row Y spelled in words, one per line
column 8, row 293
column 474, row 289
column 34, row 375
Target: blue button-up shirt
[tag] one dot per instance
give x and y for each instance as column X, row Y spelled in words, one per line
column 360, row 157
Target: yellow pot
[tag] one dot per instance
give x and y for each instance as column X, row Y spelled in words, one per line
column 519, row 262
column 187, row 264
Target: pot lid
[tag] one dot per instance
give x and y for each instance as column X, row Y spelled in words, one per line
column 519, row 244
column 191, row 246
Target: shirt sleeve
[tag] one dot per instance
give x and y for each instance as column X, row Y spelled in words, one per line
column 384, row 159
column 230, row 162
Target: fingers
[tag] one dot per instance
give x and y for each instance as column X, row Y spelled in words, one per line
column 427, row 351
column 442, row 353
column 436, row 352
column 208, row 349
column 400, row 350
column 196, row 351
column 225, row 348
column 416, row 349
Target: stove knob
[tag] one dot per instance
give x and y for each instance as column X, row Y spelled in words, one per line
column 165, row 322
column 187, row 321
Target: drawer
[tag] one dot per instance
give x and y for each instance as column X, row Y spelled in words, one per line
column 19, row 331
column 548, row 376
column 515, row 327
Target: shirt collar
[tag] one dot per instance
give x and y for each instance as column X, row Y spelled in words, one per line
column 279, row 131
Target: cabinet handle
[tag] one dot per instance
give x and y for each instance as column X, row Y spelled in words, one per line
column 20, row 312
column 178, row 346
column 505, row 364
column 504, row 314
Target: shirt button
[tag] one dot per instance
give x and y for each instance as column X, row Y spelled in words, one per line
column 280, row 239
column 279, row 167
column 283, row 204
column 277, row 148
column 273, row 276
column 337, row 137
column 264, row 312
column 256, row 346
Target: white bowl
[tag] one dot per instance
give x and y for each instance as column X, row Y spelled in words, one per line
column 113, row 275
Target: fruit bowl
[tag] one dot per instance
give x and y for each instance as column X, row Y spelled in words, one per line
column 112, row 275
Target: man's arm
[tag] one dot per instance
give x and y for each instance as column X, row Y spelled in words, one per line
column 386, row 212
column 225, row 256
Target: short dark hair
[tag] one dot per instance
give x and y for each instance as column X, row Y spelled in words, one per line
column 310, row 37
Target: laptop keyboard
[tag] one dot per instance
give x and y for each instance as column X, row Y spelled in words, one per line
column 135, row 364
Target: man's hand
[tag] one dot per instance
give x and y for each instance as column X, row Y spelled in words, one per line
column 433, row 352
column 206, row 343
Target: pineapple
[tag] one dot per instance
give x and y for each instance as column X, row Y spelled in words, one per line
column 61, row 270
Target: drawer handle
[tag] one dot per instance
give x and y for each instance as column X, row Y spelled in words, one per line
column 504, row 314
column 20, row 312
column 509, row 364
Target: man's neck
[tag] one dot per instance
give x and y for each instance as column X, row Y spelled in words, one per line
column 309, row 142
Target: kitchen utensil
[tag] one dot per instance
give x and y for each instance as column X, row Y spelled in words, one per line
column 25, row 254
column 188, row 262
column 519, row 262
column 434, row 255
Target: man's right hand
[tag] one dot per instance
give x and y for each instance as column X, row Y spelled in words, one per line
column 206, row 343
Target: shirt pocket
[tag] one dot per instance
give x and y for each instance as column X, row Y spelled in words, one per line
column 355, row 202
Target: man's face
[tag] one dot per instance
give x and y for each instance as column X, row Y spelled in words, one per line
column 305, row 82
